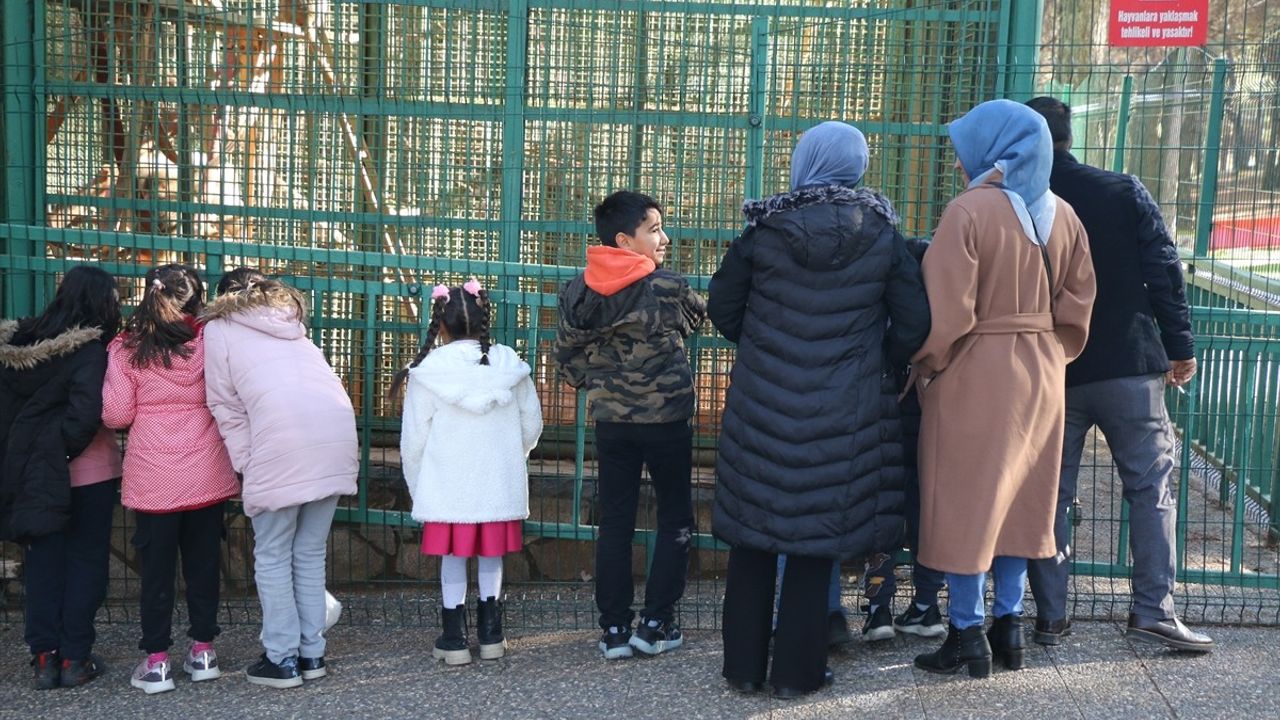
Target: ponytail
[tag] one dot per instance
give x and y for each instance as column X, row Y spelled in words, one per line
column 159, row 329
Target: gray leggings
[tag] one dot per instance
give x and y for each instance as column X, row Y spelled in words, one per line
column 289, row 555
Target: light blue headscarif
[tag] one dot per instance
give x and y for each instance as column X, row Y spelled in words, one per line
column 1005, row 136
column 832, row 153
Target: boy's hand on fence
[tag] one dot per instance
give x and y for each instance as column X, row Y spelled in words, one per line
column 1181, row 371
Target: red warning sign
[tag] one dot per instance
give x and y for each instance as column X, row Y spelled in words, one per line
column 1159, row 23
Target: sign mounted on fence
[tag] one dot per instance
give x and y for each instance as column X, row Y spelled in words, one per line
column 1158, row 23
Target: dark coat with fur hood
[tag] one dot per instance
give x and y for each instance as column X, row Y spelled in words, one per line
column 50, row 410
column 815, row 292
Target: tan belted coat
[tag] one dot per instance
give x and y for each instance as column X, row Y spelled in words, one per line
column 993, row 375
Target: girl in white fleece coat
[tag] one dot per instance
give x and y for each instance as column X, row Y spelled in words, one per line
column 471, row 417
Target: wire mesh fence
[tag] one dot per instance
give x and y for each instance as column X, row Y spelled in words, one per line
column 1192, row 123
column 364, row 151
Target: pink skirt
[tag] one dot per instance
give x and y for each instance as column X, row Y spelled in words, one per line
column 491, row 539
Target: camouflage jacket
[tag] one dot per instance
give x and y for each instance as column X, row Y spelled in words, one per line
column 627, row 349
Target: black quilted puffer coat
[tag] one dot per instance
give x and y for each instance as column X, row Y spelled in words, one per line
column 817, row 292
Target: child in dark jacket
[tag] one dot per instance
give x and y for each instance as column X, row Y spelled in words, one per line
column 623, row 324
column 922, row 617
column 60, row 469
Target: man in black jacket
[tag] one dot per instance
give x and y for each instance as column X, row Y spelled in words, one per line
column 1139, row 339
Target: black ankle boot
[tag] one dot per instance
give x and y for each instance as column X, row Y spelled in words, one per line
column 1007, row 643
column 962, row 648
column 489, row 629
column 451, row 646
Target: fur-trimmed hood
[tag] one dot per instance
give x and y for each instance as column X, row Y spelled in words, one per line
column 28, row 357
column 276, row 310
column 825, row 227
column 758, row 210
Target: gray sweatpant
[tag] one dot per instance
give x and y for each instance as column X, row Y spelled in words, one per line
column 289, row 563
column 1131, row 414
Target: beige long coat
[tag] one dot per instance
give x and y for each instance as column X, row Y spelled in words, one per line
column 993, row 371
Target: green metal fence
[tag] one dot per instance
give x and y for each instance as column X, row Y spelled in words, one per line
column 366, row 150
column 1196, row 125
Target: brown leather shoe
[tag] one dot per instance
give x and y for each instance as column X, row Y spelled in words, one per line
column 1170, row 633
column 1051, row 632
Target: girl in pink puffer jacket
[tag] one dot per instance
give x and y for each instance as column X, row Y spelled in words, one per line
column 177, row 474
column 291, row 431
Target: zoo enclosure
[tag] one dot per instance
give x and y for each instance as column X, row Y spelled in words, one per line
column 366, row 150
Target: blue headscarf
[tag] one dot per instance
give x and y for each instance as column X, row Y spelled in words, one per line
column 832, row 153
column 1009, row 137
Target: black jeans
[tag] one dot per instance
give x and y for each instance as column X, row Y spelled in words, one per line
column 800, row 642
column 198, row 535
column 622, row 450
column 65, row 574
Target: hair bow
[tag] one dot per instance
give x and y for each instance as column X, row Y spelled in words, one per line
column 472, row 286
column 440, row 292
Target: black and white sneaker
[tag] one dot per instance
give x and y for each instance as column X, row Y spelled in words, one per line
column 654, row 637
column 312, row 668
column 282, row 675
column 615, row 643
column 879, row 625
column 924, row 623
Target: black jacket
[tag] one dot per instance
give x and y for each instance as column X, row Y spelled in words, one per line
column 810, row 460
column 50, row 409
column 1140, row 318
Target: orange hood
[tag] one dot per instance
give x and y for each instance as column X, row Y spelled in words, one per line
column 611, row 269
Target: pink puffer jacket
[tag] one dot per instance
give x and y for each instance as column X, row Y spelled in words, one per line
column 287, row 420
column 174, row 458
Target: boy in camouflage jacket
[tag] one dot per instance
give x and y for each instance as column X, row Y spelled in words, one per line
column 623, row 323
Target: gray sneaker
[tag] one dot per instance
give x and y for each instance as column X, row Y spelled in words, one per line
column 152, row 677
column 202, row 665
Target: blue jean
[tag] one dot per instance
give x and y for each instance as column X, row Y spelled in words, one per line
column 968, row 592
column 834, row 604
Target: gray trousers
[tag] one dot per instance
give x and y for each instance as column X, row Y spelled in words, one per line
column 289, row 556
column 1131, row 415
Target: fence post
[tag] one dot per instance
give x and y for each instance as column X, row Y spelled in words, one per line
column 513, row 133
column 1212, row 149
column 20, row 147
column 1022, row 48
column 758, row 89
column 1122, row 124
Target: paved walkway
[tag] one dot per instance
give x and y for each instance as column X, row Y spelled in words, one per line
column 386, row 672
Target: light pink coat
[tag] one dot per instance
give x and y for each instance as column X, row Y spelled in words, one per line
column 174, row 459
column 284, row 414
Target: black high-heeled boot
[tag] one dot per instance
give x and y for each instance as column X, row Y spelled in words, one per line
column 489, row 629
column 1007, row 642
column 966, row 648
column 451, row 646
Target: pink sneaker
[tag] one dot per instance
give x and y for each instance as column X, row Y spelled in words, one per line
column 202, row 663
column 152, row 675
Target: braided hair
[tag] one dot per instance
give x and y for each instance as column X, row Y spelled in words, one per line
column 160, row 328
column 460, row 314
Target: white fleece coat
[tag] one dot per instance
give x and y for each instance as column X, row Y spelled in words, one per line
column 466, row 435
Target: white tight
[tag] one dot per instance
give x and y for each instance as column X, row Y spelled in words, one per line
column 453, row 579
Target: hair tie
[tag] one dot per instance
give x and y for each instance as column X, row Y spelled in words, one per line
column 472, row 286
column 440, row 292
column 157, row 284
